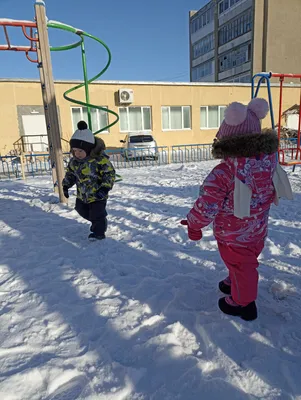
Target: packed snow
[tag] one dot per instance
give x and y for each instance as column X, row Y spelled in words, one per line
column 135, row 316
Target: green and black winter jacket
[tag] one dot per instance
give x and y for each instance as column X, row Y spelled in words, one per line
column 93, row 176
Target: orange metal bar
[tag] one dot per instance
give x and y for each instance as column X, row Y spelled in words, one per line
column 290, row 163
column 27, row 24
column 17, row 48
column 32, row 39
column 6, row 36
column 22, row 24
column 30, row 59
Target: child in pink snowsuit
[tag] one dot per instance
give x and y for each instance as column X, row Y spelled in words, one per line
column 237, row 196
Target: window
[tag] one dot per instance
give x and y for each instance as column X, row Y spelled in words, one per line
column 135, row 119
column 208, row 16
column 99, row 117
column 195, row 25
column 221, row 7
column 235, row 58
column 202, row 70
column 224, row 5
column 176, row 118
column 141, row 139
column 212, row 116
column 240, row 79
column 235, row 28
column 204, row 17
column 245, row 78
column 203, row 46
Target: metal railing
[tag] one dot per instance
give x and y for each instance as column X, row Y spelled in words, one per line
column 288, row 143
column 34, row 165
column 39, row 164
column 24, row 144
column 191, row 153
column 139, row 157
column 289, row 150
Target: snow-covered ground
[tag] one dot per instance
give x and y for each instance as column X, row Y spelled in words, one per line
column 135, row 316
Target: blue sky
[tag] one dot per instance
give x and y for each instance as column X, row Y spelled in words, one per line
column 148, row 39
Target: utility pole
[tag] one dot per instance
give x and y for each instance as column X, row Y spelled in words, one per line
column 49, row 100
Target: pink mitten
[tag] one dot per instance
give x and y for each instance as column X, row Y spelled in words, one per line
column 192, row 233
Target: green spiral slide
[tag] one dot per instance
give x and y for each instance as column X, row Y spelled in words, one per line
column 81, row 43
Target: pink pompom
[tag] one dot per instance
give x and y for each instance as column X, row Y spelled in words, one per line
column 235, row 114
column 260, row 107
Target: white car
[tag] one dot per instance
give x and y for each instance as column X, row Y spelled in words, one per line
column 139, row 145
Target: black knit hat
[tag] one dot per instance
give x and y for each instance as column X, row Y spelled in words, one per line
column 83, row 138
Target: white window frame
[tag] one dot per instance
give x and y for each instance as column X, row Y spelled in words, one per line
column 127, row 114
column 82, row 118
column 207, row 114
column 182, row 115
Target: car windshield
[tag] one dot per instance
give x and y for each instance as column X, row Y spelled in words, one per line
column 141, row 139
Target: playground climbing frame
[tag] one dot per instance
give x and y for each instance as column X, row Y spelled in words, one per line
column 37, row 34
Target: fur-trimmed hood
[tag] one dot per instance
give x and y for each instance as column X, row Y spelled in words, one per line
column 99, row 148
column 248, row 145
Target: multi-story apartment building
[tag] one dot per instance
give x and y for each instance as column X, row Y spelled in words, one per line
column 230, row 40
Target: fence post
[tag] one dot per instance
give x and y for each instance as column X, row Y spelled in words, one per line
column 22, row 166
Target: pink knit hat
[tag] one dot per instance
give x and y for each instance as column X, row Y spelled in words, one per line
column 241, row 119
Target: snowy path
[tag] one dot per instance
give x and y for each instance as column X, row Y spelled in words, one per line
column 135, row 316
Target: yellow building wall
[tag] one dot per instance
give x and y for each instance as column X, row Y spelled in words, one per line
column 277, row 36
column 15, row 94
column 8, row 117
column 284, row 36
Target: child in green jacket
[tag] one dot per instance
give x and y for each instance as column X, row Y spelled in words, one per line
column 94, row 175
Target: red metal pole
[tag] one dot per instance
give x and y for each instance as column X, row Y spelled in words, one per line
column 299, row 129
column 31, row 59
column 17, row 48
column 299, row 126
column 6, row 22
column 6, row 36
column 32, row 39
column 276, row 75
column 22, row 24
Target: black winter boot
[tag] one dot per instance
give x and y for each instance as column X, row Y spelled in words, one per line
column 224, row 288
column 93, row 237
column 229, row 307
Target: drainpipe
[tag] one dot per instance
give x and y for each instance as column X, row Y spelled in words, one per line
column 216, row 39
column 265, row 35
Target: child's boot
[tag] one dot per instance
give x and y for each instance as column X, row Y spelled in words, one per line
column 225, row 286
column 93, row 237
column 228, row 306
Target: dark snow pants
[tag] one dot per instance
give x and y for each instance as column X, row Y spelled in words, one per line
column 95, row 213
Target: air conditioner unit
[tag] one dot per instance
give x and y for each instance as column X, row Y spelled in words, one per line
column 126, row 96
